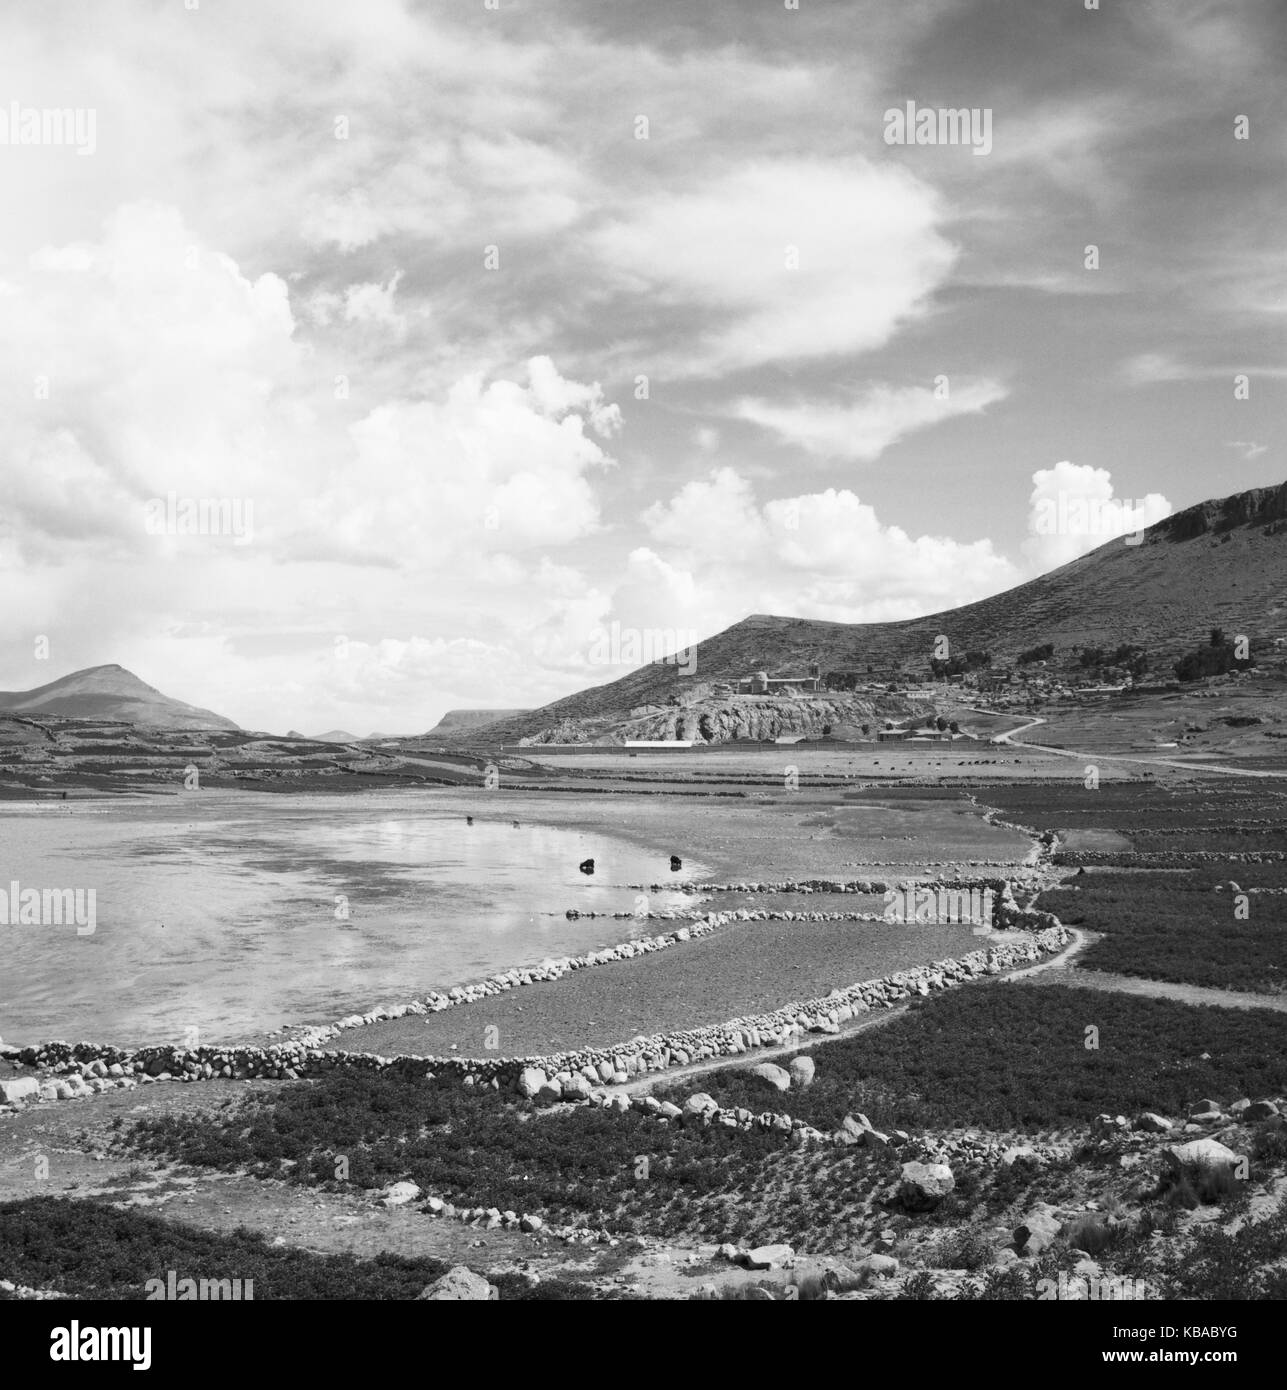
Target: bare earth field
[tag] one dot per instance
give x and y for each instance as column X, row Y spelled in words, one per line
column 737, row 971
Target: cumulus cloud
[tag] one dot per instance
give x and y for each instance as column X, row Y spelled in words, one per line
column 495, row 466
column 1073, row 510
column 863, row 430
column 718, row 554
column 156, row 368
column 161, row 368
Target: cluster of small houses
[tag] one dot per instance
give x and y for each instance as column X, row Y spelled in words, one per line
column 1013, row 684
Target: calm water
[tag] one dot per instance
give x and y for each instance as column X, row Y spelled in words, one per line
column 226, row 913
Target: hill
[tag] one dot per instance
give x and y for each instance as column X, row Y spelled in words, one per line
column 109, row 693
column 457, row 721
column 1221, row 563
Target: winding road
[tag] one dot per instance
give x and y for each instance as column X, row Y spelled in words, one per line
column 1083, row 756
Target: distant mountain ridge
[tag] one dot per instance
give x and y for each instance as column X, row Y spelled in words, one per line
column 110, row 693
column 1220, row 563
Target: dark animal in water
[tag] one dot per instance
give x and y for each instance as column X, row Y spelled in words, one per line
column 469, row 820
column 587, row 866
column 676, row 863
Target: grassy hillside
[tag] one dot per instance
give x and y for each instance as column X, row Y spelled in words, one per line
column 109, row 693
column 1218, row 564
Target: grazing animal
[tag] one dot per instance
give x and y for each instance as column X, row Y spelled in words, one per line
column 587, row 866
column 515, row 825
column 676, row 863
column 469, row 820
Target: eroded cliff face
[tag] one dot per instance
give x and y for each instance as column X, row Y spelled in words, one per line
column 722, row 720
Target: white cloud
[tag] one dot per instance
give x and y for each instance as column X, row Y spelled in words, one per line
column 791, row 259
column 718, row 555
column 157, row 366
column 1073, row 510
column 866, row 428
column 496, row 467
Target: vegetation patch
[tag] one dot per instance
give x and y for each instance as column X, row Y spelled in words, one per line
column 1176, row 927
column 1013, row 1056
column 87, row 1249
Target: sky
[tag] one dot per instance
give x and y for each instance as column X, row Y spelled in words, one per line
column 506, row 343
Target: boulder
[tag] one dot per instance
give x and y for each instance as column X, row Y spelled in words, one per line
column 530, row 1081
column 1152, row 1123
column 669, row 1110
column 551, row 1093
column 856, row 1125
column 924, row 1185
column 877, row 1267
column 1022, row 1153
column 1038, row 1230
column 530, row 1223
column 1260, row 1110
column 19, row 1088
column 576, row 1088
column 1199, row 1153
column 459, row 1284
column 399, row 1194
column 773, row 1075
column 768, row 1256
column 802, row 1070
column 699, row 1104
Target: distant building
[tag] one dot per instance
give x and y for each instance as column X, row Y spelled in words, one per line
column 893, row 735
column 761, row 683
column 871, row 675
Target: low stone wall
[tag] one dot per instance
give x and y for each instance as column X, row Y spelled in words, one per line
column 84, row 1067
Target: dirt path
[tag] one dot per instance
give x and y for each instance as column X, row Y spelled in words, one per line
column 1165, row 989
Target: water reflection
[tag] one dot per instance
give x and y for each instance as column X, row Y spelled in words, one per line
column 232, row 915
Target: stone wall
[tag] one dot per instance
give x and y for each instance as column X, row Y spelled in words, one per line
column 85, row 1067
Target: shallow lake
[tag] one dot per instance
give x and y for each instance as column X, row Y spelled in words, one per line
column 233, row 914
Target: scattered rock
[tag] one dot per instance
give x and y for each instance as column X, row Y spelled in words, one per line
column 877, row 1267
column 768, row 1256
column 773, row 1075
column 699, row 1104
column 530, row 1081
column 460, row 1283
column 924, row 1185
column 1199, row 1153
column 1038, row 1230
column 802, row 1070
column 1023, row 1153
